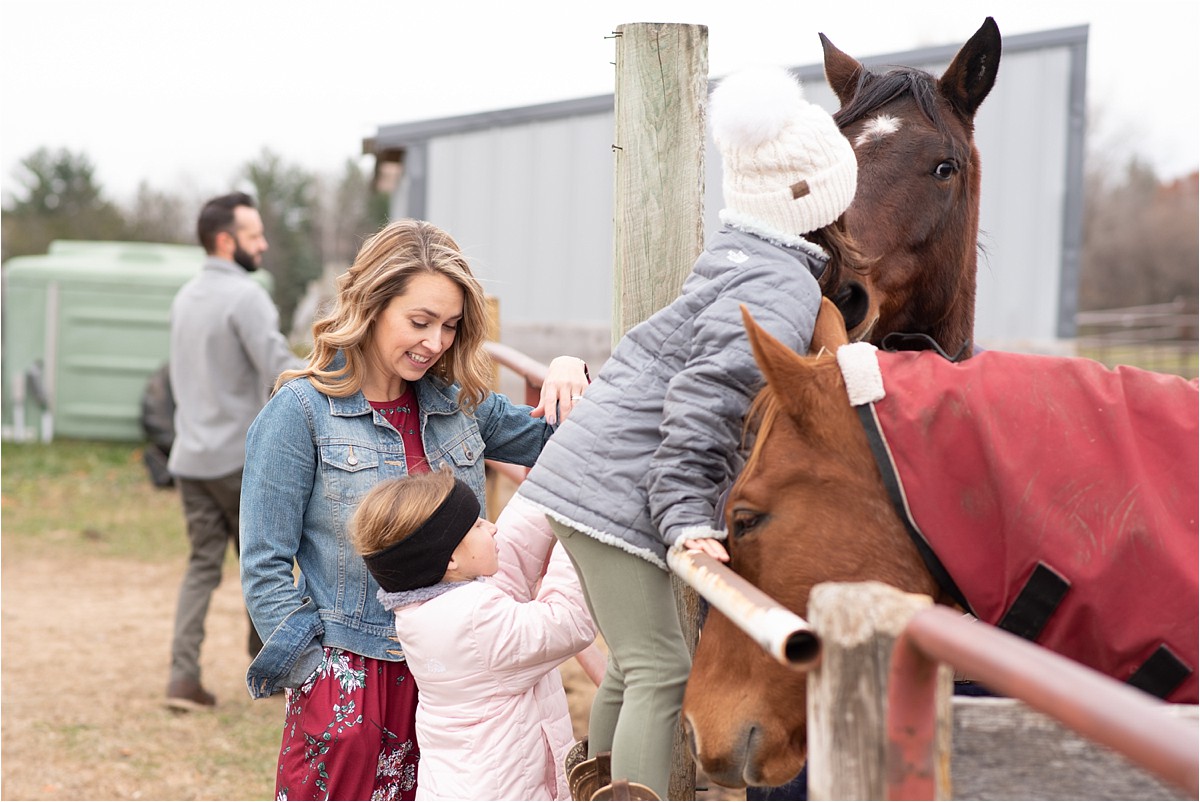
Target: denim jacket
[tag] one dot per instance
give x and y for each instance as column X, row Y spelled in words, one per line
column 310, row 458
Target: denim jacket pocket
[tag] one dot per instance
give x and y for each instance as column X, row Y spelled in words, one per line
column 290, row 654
column 466, row 450
column 349, row 470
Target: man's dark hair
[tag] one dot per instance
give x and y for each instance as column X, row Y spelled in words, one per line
column 217, row 216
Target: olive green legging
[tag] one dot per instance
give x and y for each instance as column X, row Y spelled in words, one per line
column 636, row 707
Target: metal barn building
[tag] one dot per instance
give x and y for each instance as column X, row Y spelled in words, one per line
column 528, row 193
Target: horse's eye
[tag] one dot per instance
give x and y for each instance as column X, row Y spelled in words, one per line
column 744, row 522
column 946, row 170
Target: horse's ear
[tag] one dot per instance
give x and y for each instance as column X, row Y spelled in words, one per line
column 969, row 78
column 842, row 72
column 787, row 372
column 829, row 332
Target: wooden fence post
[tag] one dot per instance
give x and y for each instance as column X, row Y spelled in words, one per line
column 658, row 197
column 847, row 692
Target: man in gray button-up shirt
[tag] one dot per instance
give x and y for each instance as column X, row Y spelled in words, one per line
column 226, row 352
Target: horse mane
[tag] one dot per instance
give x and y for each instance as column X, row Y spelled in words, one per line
column 761, row 417
column 876, row 90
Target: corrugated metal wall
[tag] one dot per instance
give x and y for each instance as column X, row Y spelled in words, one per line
column 531, row 205
column 530, row 200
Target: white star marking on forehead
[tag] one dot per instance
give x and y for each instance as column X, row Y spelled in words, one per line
column 876, row 129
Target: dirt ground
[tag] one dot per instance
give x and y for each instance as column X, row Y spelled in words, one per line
column 84, row 654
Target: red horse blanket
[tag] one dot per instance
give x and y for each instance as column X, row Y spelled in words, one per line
column 1051, row 496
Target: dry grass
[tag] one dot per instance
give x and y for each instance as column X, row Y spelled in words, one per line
column 90, row 564
column 92, row 556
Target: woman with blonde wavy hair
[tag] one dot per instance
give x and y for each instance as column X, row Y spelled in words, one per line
column 396, row 384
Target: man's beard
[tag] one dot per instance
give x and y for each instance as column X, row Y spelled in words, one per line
column 245, row 260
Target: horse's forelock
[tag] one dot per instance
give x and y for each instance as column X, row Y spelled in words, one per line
column 876, row 90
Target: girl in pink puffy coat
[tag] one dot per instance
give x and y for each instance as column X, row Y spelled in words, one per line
column 486, row 613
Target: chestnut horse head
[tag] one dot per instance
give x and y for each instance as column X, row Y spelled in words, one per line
column 808, row 507
column 916, row 208
column 996, row 473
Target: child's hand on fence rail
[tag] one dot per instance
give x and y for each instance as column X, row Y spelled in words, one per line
column 713, row 548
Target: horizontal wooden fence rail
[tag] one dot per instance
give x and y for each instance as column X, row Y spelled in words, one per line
column 1158, row 337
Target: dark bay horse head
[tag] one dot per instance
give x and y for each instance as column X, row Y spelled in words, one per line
column 809, row 507
column 916, row 209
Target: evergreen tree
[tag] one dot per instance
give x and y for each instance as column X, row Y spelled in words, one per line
column 287, row 200
column 59, row 198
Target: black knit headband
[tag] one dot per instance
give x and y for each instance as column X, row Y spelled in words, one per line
column 420, row 559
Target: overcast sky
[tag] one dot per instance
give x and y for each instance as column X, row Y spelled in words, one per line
column 181, row 94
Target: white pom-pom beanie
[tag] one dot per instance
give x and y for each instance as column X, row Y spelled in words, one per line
column 787, row 168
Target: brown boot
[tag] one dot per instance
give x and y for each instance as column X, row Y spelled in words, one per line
column 624, row 789
column 576, row 755
column 588, row 776
column 188, row 695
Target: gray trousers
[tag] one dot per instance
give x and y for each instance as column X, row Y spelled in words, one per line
column 636, row 708
column 210, row 508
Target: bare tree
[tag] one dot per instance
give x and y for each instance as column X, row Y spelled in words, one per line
column 158, row 216
column 1140, row 237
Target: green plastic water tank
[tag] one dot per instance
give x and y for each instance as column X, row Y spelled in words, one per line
column 85, row 325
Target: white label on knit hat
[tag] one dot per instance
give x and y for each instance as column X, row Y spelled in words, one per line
column 737, row 257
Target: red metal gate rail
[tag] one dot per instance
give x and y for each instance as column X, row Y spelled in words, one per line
column 534, row 374
column 1094, row 705
column 591, row 660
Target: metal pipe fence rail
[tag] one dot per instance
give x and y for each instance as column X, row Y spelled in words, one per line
column 781, row 633
column 534, row 374
column 1096, row 706
column 528, row 368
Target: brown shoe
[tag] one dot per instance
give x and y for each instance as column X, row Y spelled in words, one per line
column 187, row 695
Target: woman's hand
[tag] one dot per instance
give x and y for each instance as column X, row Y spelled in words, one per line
column 713, row 548
column 566, row 379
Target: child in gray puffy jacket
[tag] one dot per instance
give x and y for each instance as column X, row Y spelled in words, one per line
column 641, row 462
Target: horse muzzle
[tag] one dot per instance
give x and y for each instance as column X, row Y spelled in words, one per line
column 749, row 758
